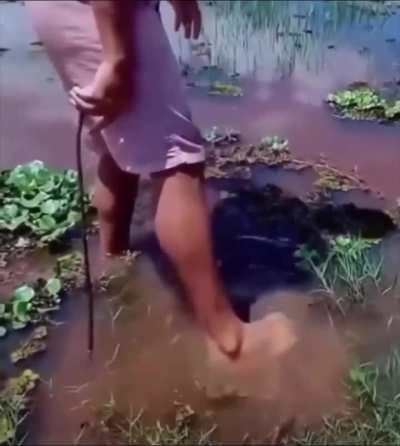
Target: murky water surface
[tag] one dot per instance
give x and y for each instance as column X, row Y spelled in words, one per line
column 289, row 55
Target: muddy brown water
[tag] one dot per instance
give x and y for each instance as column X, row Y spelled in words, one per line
column 150, row 355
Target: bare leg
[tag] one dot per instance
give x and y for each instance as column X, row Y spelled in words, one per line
column 182, row 226
column 114, row 198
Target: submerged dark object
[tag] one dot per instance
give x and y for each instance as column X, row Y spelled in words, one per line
column 256, row 234
column 348, row 218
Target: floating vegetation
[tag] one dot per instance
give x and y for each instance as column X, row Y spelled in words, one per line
column 360, row 101
column 375, row 416
column 38, row 204
column 131, row 430
column 223, row 89
column 276, row 144
column 220, row 138
column 33, row 345
column 333, row 179
column 14, row 401
column 30, row 304
column 349, row 267
column 237, row 160
column 228, row 161
column 69, row 268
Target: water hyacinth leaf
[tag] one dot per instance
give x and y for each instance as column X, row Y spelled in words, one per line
column 71, row 177
column 47, row 223
column 39, row 201
column 9, row 211
column 13, row 224
column 34, row 202
column 74, row 217
column 54, row 235
column 53, row 286
column 21, row 309
column 50, row 207
column 360, row 101
column 24, row 293
column 18, row 180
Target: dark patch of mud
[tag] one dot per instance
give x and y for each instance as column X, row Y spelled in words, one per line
column 257, row 232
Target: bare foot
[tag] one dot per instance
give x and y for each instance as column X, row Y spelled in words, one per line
column 257, row 365
column 226, row 330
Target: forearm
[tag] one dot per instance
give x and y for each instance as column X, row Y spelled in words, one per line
column 114, row 21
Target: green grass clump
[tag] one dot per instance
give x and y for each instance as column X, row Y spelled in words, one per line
column 375, row 417
column 131, row 430
column 223, row 89
column 14, row 400
column 38, row 202
column 350, row 266
column 360, row 101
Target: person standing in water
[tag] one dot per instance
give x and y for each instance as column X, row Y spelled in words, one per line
column 118, row 68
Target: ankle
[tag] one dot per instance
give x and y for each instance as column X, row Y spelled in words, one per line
column 226, row 330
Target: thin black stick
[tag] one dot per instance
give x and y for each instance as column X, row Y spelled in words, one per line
column 88, row 281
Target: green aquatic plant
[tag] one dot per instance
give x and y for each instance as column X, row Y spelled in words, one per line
column 69, row 269
column 333, row 179
column 374, row 417
column 344, row 273
column 238, row 159
column 30, row 304
column 130, row 429
column 38, row 202
column 34, row 344
column 360, row 101
column 228, row 159
column 14, row 401
column 223, row 89
column 218, row 137
column 276, row 144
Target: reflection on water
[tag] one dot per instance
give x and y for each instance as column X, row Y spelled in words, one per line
column 265, row 38
column 289, row 55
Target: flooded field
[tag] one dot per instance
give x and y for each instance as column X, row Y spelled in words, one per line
column 280, row 60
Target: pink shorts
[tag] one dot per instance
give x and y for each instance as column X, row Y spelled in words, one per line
column 155, row 132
